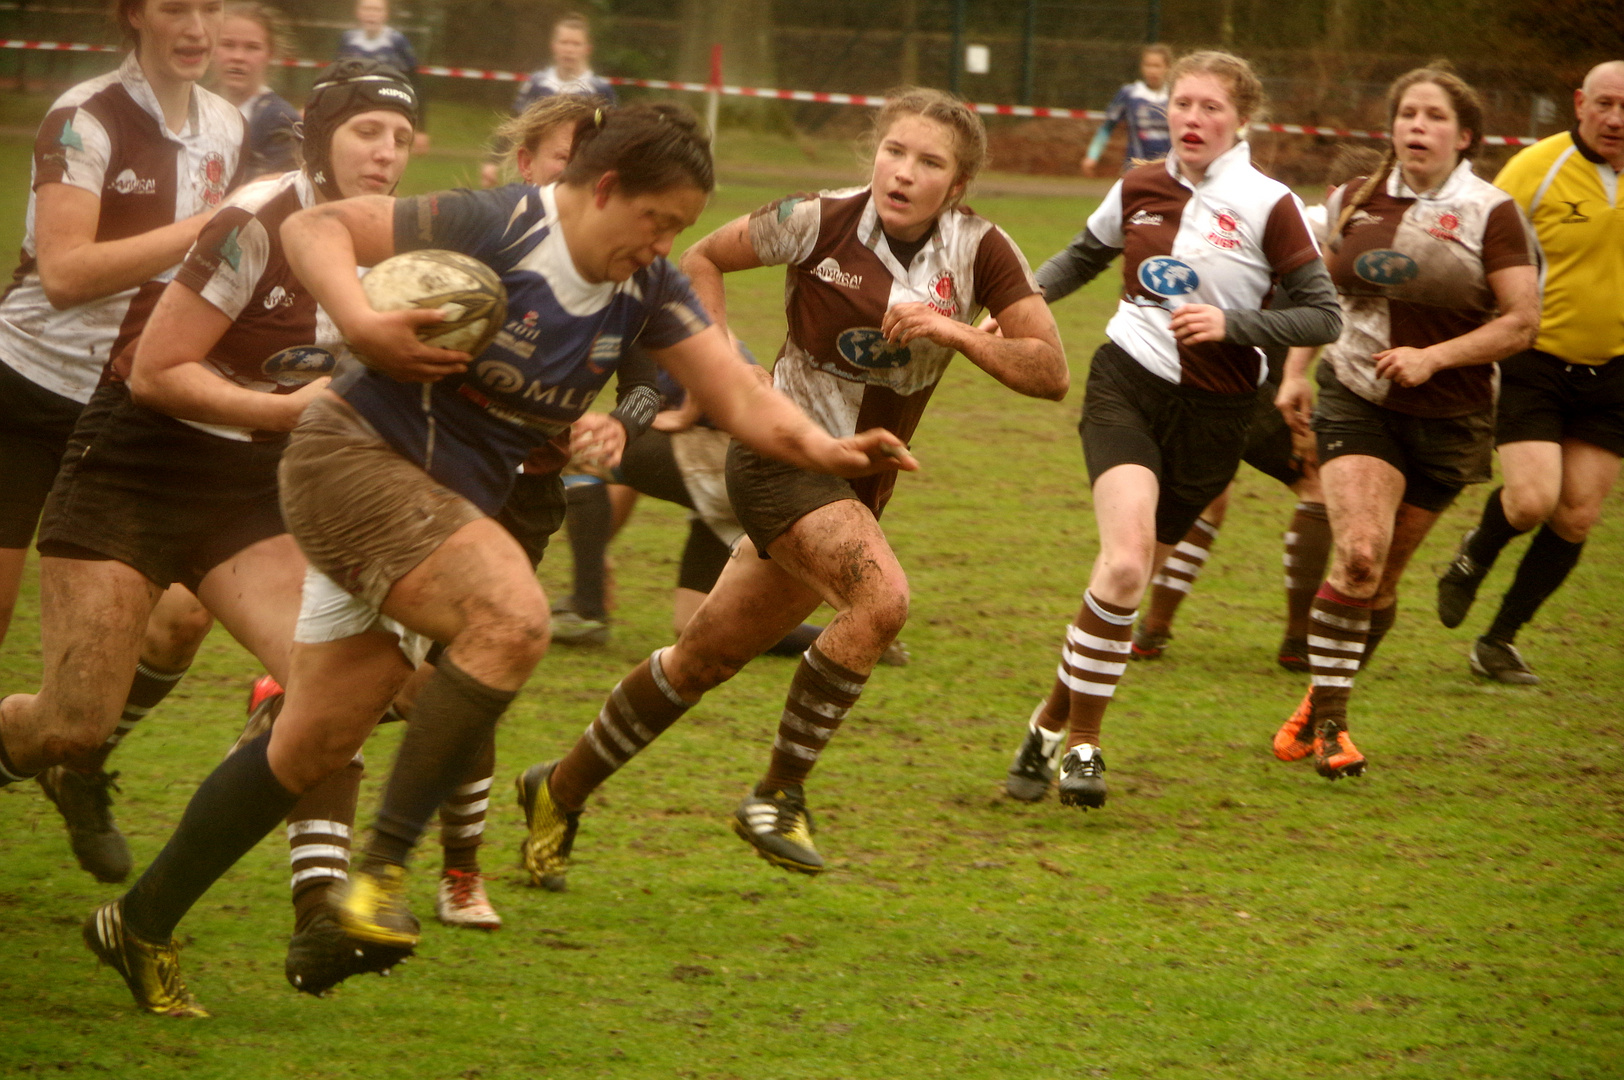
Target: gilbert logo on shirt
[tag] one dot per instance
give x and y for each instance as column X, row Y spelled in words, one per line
column 1145, row 217
column 830, row 271
column 1446, row 226
column 127, row 183
column 1226, row 230
column 278, row 297
column 941, row 295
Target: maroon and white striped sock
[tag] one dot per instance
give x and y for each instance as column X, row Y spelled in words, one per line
column 1338, row 626
column 1178, row 575
column 1307, row 550
column 1093, row 659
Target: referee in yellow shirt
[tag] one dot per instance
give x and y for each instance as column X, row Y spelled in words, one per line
column 1560, row 429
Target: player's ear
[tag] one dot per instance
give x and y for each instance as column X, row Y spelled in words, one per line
column 604, row 188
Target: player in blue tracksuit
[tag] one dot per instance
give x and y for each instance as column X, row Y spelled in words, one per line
column 1141, row 107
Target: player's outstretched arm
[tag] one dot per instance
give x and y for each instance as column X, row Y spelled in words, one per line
column 167, row 372
column 325, row 245
column 1025, row 354
column 739, row 401
column 722, row 252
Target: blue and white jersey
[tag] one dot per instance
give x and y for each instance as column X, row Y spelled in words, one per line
column 387, row 46
column 547, row 82
column 562, row 340
column 1144, row 111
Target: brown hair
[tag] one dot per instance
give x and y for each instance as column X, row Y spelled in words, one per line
column 1245, row 88
column 573, row 20
column 540, row 119
column 1468, row 116
column 1164, row 51
column 269, row 19
column 950, row 110
column 647, row 147
column 120, row 12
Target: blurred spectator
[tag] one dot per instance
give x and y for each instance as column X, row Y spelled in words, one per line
column 253, row 36
column 569, row 73
column 375, row 39
column 1142, row 106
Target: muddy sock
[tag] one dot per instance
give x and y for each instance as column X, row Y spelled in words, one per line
column 462, row 815
column 1336, row 645
column 639, row 709
column 319, row 829
column 820, row 695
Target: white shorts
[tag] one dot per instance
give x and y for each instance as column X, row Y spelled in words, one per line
column 328, row 613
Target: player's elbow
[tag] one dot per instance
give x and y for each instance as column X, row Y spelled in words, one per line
column 63, row 288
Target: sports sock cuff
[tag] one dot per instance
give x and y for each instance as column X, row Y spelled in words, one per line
column 1328, row 592
column 471, row 688
column 141, row 668
column 656, row 670
column 9, row 773
column 842, row 678
column 1115, row 614
column 1313, row 509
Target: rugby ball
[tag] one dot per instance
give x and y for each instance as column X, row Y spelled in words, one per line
column 468, row 292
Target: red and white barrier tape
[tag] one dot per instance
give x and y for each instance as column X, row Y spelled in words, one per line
column 870, row 100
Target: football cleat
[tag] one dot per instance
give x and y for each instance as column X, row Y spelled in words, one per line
column 1335, row 756
column 372, row 907
column 570, row 628
column 1293, row 654
column 1295, row 739
column 1149, row 644
column 1082, row 777
column 322, row 955
column 545, row 853
column 1036, row 760
column 86, row 806
column 1497, row 660
column 1457, row 585
column 150, row 970
column 779, row 827
column 461, row 901
column 265, row 700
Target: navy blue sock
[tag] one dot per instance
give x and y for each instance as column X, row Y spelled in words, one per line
column 1545, row 565
column 1493, row 533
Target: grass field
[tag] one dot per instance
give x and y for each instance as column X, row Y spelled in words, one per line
column 1454, row 913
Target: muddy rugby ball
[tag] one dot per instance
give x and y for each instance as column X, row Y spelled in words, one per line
column 468, row 292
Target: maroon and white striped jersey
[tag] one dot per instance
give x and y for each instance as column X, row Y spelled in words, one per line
column 279, row 338
column 107, row 136
column 1225, row 241
column 1412, row 269
column 842, row 277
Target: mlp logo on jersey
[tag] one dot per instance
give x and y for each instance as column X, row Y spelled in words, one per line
column 1385, row 267
column 298, row 365
column 1168, row 278
column 866, row 347
column 1226, row 230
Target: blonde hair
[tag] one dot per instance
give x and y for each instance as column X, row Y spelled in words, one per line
column 540, row 119
column 949, row 110
column 1245, row 88
column 269, row 19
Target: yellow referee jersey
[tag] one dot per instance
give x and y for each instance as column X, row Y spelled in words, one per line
column 1572, row 197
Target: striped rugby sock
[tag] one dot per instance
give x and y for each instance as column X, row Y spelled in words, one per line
column 319, row 829
column 1307, row 550
column 1093, row 659
column 1339, row 627
column 462, row 815
column 820, row 695
column 639, row 709
column 1178, row 574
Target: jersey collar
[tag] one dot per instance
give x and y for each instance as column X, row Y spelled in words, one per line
column 1398, row 189
column 872, row 235
column 136, row 85
column 1143, row 91
column 1587, row 151
column 1236, row 157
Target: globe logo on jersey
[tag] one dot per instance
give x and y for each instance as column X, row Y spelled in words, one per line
column 298, row 365
column 866, row 347
column 1385, row 267
column 1168, row 277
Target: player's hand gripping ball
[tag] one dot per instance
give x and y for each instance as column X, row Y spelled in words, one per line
column 468, row 292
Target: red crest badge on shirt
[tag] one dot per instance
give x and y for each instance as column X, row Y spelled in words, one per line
column 941, row 295
column 1446, row 226
column 214, row 178
column 1226, row 230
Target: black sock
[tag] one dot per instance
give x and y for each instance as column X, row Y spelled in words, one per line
column 591, row 524
column 1545, row 565
column 797, row 641
column 1493, row 533
column 239, row 803
column 454, row 716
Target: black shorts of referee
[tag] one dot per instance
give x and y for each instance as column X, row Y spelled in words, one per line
column 1191, row 438
column 163, row 497
column 1543, row 398
column 1437, row 455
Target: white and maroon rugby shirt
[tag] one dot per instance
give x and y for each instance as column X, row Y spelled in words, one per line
column 107, row 136
column 279, row 338
column 1223, row 242
column 1412, row 269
